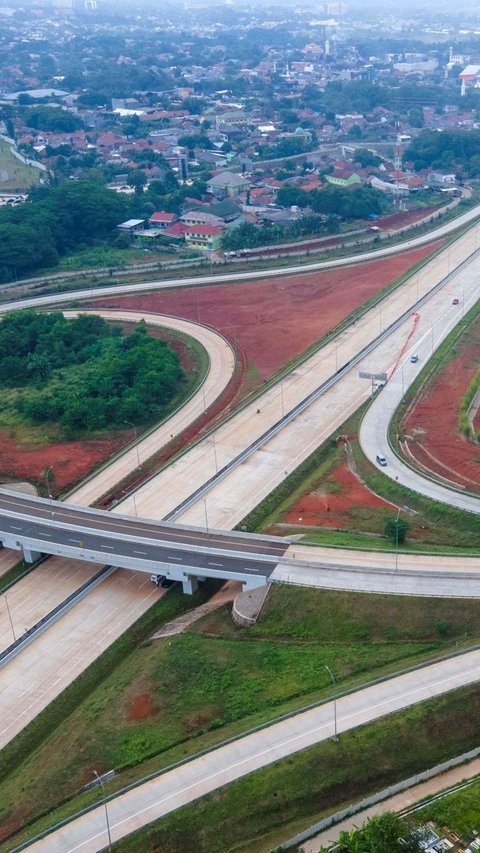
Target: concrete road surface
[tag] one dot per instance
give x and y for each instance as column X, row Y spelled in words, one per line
column 376, row 423
column 32, row 679
column 114, row 290
column 231, row 499
column 158, row 797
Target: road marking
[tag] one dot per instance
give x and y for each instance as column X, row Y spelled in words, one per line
column 174, row 558
column 216, row 564
column 110, row 547
column 140, row 552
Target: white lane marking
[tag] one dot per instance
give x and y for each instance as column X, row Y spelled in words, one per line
column 216, row 564
column 174, row 558
column 140, row 552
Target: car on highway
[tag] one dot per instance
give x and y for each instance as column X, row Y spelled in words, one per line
column 157, row 579
column 414, row 358
column 455, row 301
column 381, row 460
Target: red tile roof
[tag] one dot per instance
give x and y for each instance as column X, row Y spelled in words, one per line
column 163, row 216
column 203, row 230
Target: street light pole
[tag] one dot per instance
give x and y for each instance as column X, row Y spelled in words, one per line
column 47, row 472
column 136, row 440
column 205, row 510
column 99, row 780
column 396, row 539
column 335, row 736
column 10, row 619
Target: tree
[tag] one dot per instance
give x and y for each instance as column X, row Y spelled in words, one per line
column 386, row 832
column 137, row 179
column 396, row 530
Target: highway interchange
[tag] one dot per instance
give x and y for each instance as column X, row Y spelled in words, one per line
column 230, row 498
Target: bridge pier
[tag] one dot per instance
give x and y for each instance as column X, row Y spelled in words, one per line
column 30, row 556
column 190, row 584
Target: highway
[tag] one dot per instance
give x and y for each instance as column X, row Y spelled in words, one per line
column 200, row 776
column 228, row 500
column 236, row 277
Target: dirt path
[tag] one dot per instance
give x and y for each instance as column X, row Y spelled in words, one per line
column 177, row 626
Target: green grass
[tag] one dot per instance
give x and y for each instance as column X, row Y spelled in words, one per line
column 20, row 176
column 214, row 682
column 459, row 811
column 256, row 813
column 101, row 256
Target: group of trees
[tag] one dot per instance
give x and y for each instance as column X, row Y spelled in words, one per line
column 452, row 151
column 83, row 373
column 346, row 203
column 53, row 119
column 56, row 220
column 248, row 236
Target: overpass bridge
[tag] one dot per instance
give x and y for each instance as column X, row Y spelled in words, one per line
column 38, row 526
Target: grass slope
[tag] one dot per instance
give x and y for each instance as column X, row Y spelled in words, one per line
column 170, row 698
column 256, row 813
column 15, row 175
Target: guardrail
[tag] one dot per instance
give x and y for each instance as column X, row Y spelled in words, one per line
column 32, row 633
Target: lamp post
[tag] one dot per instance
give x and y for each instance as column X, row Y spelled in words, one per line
column 136, row 440
column 335, row 736
column 205, row 510
column 215, row 453
column 396, row 539
column 47, row 472
column 10, row 619
column 99, row 780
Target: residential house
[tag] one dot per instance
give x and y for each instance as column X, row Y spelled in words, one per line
column 162, row 219
column 343, row 178
column 205, row 237
column 227, row 184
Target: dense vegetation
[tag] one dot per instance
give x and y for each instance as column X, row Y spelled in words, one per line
column 450, row 151
column 55, row 222
column 84, row 373
column 61, row 219
column 247, row 236
column 355, row 203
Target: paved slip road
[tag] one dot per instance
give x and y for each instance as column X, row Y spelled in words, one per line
column 374, row 430
column 132, row 810
column 89, row 293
